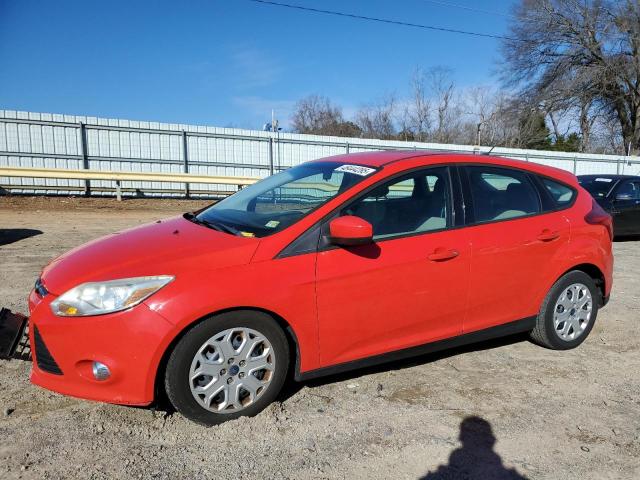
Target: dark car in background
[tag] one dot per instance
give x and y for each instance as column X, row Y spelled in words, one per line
column 620, row 196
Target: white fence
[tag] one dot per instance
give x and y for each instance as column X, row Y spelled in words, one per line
column 45, row 140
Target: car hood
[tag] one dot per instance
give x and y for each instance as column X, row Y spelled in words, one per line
column 166, row 247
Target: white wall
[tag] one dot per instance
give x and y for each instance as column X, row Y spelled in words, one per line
column 30, row 139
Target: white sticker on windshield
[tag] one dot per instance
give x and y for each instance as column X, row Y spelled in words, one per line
column 356, row 170
column 608, row 180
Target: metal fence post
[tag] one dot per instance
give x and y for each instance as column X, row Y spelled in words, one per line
column 85, row 156
column 346, row 147
column 618, row 166
column 270, row 155
column 185, row 157
column 118, row 191
column 575, row 164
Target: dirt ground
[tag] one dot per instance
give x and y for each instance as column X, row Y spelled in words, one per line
column 505, row 409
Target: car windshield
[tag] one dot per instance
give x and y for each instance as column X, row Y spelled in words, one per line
column 597, row 187
column 277, row 202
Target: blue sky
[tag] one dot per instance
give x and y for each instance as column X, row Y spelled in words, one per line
column 229, row 62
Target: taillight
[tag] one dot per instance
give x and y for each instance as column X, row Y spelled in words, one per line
column 597, row 216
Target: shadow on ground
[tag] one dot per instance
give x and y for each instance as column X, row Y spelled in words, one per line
column 11, row 235
column 292, row 387
column 475, row 458
column 626, row 238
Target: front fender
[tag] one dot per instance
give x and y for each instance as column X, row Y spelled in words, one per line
column 284, row 287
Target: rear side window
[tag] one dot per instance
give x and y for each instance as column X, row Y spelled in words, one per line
column 560, row 193
column 500, row 193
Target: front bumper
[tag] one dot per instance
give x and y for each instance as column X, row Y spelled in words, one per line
column 131, row 343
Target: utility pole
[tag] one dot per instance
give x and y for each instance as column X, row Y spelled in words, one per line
column 273, row 128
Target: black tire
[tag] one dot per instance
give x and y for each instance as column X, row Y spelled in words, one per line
column 179, row 364
column 544, row 332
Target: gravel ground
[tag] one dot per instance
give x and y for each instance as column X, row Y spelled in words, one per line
column 505, row 409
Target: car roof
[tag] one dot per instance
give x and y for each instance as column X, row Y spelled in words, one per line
column 606, row 175
column 381, row 159
column 376, row 158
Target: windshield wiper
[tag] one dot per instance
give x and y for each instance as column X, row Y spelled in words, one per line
column 221, row 227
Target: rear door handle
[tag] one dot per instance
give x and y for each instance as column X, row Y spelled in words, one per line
column 442, row 254
column 547, row 235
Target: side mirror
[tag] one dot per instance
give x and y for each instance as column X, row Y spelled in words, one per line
column 623, row 196
column 350, row 230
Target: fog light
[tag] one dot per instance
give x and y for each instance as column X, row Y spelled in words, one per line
column 100, row 371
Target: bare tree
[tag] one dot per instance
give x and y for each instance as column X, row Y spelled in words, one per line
column 606, row 136
column 317, row 115
column 588, row 115
column 481, row 104
column 446, row 110
column 505, row 122
column 419, row 110
column 404, row 120
column 377, row 119
column 585, row 52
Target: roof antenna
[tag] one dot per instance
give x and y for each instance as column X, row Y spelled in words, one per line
column 490, row 150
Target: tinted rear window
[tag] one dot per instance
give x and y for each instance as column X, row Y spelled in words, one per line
column 597, row 187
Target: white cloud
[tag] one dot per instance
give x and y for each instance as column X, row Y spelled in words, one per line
column 260, row 108
column 254, row 68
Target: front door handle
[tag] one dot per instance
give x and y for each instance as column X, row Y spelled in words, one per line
column 442, row 254
column 547, row 235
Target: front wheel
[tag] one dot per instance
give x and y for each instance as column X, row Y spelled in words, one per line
column 568, row 312
column 230, row 365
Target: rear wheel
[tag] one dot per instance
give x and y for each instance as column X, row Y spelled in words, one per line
column 230, row 365
column 568, row 312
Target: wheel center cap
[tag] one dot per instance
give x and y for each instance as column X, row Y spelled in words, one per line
column 234, row 369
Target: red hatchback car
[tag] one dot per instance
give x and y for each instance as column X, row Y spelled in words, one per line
column 334, row 264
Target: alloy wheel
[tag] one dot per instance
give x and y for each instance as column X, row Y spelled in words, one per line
column 572, row 312
column 231, row 370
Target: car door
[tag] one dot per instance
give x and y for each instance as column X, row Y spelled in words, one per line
column 407, row 288
column 625, row 207
column 513, row 244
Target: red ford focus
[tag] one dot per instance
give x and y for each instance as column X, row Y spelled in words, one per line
column 335, row 264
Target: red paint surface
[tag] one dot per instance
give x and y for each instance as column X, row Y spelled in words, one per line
column 342, row 304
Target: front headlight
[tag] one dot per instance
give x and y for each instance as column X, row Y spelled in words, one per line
column 96, row 298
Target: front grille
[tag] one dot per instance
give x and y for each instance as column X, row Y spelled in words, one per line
column 44, row 359
column 40, row 289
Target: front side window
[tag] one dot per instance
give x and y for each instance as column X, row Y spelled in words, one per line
column 500, row 193
column 414, row 203
column 629, row 190
column 279, row 201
